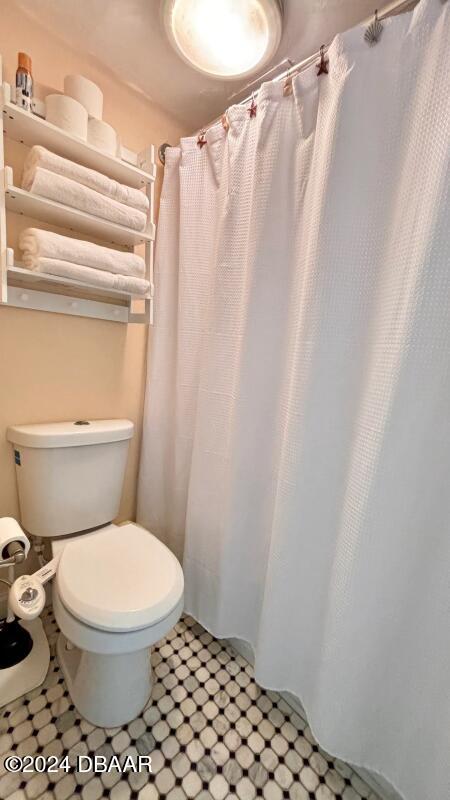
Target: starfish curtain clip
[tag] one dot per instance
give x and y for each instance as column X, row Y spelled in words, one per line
column 322, row 66
column 201, row 141
column 253, row 107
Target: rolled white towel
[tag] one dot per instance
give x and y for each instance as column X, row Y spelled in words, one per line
column 37, row 244
column 74, row 194
column 93, row 277
column 41, row 157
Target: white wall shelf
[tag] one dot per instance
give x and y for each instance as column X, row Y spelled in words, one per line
column 20, row 201
column 42, row 292
column 26, row 278
column 23, row 288
column 28, row 128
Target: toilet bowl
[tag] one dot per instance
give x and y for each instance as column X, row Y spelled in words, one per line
column 117, row 588
column 117, row 591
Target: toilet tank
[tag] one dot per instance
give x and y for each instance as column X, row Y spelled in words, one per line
column 69, row 474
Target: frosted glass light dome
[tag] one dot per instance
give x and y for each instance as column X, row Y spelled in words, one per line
column 224, row 38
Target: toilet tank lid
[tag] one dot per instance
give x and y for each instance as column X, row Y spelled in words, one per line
column 75, row 433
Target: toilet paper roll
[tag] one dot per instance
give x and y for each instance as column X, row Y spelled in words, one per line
column 102, row 135
column 86, row 92
column 67, row 113
column 10, row 531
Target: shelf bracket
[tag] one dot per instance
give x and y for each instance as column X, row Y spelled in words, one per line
column 20, row 297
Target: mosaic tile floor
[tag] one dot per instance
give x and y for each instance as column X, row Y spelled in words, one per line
column 212, row 733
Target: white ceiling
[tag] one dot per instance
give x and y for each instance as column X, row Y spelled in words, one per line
column 128, row 37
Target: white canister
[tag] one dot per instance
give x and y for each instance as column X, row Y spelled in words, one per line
column 67, row 113
column 102, row 135
column 86, row 92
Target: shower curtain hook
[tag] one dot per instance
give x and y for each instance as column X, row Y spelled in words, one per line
column 322, row 66
column 373, row 31
column 287, row 88
column 201, row 140
column 225, row 122
column 253, row 106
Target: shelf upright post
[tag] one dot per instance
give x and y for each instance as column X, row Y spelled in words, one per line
column 147, row 162
column 3, row 260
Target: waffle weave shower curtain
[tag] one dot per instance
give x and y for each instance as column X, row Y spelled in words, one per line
column 296, row 450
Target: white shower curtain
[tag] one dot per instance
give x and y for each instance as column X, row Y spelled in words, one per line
column 296, row 448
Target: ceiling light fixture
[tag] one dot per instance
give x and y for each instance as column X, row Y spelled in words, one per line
column 224, row 38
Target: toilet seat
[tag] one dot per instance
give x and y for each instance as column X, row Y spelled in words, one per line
column 119, row 579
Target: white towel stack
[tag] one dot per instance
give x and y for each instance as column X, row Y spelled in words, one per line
column 48, row 252
column 57, row 178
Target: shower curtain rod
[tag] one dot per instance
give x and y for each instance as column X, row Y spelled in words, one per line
column 394, row 7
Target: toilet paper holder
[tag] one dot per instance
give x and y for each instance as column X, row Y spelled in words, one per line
column 14, row 544
column 15, row 554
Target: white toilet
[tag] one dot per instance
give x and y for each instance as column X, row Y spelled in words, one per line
column 117, row 589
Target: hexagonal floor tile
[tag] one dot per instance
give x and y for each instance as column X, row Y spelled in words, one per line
column 212, row 734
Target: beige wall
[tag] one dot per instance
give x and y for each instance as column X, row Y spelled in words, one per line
column 56, row 367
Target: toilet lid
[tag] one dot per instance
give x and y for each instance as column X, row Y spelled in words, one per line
column 121, row 578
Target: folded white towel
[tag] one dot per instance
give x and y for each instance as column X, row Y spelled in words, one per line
column 40, row 157
column 93, row 277
column 37, row 244
column 70, row 193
